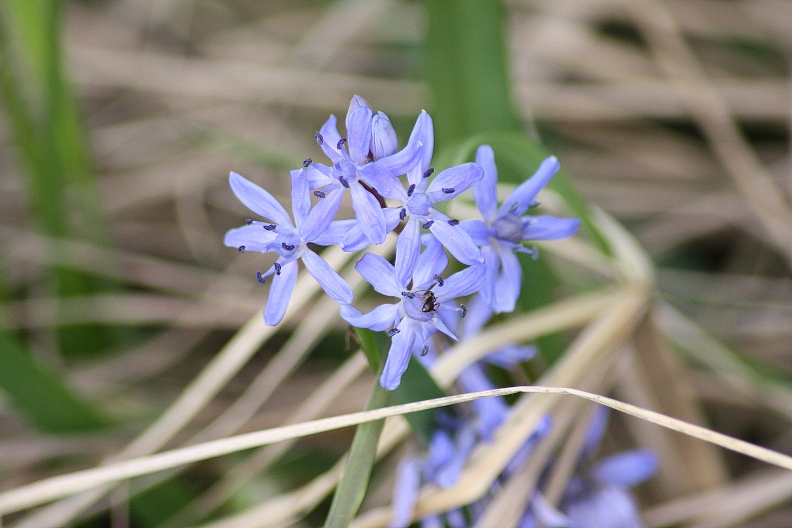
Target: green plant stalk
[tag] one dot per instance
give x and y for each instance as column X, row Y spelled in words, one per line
column 468, row 74
column 44, row 122
column 354, row 481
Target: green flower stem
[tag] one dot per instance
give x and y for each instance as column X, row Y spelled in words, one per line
column 353, row 484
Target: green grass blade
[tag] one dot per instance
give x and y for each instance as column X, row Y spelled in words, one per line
column 354, row 482
column 467, row 70
column 42, row 398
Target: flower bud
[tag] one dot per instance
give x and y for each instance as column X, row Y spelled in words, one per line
column 354, row 104
column 383, row 137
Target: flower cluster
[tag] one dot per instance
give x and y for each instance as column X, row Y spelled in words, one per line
column 396, row 190
column 596, row 496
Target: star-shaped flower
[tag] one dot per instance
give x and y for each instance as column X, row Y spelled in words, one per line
column 418, row 205
column 414, row 318
column 282, row 236
column 364, row 162
column 505, row 228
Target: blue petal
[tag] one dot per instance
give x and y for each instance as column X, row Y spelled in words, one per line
column 319, row 176
column 258, row 200
column 383, row 181
column 383, row 137
column 417, row 153
column 628, row 468
column 441, row 451
column 402, row 345
column 280, row 293
column 545, row 227
column 596, row 429
column 405, row 493
column 604, row 507
column 457, row 242
column 355, row 103
column 478, row 314
column 336, row 232
column 422, row 132
column 477, row 230
column 431, row 262
column 321, row 215
column 461, row 283
column 491, row 267
column 359, row 133
column 454, row 181
column 408, row 247
column 507, row 287
column 355, row 239
column 380, row 318
column 486, row 190
column 510, row 355
column 301, row 199
column 380, row 274
column 331, row 137
column 449, row 475
column 330, row 281
column 253, row 237
column 524, row 195
column 369, row 214
column 547, row 514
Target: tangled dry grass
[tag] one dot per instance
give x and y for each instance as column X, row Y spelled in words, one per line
column 672, row 115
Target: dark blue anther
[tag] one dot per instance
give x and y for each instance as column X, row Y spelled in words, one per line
column 428, row 224
column 319, row 139
column 319, row 194
column 341, row 143
column 411, row 189
column 307, row 163
column 343, row 181
column 270, row 227
column 439, row 279
column 453, row 222
column 534, row 204
column 425, row 350
column 462, row 311
column 428, row 172
column 392, row 332
column 277, row 267
column 241, row 249
column 287, row 247
column 448, row 190
column 260, row 278
column 409, row 295
column 402, row 214
column 249, row 221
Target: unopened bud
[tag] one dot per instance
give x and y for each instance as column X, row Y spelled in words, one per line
column 383, row 137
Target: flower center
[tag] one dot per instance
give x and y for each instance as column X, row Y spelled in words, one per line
column 507, row 227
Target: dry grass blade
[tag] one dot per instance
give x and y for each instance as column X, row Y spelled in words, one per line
column 65, row 485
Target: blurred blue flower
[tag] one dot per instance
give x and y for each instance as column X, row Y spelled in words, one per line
column 414, row 319
column 282, row 236
column 600, row 497
column 504, row 228
column 365, row 162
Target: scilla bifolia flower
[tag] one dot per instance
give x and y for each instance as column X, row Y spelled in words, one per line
column 414, row 318
column 282, row 236
column 505, row 228
column 356, row 167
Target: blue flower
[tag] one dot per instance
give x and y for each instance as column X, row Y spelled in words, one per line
column 282, row 236
column 418, row 205
column 504, row 228
column 365, row 162
column 414, row 318
column 601, row 498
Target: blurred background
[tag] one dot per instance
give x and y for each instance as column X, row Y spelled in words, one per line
column 121, row 119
